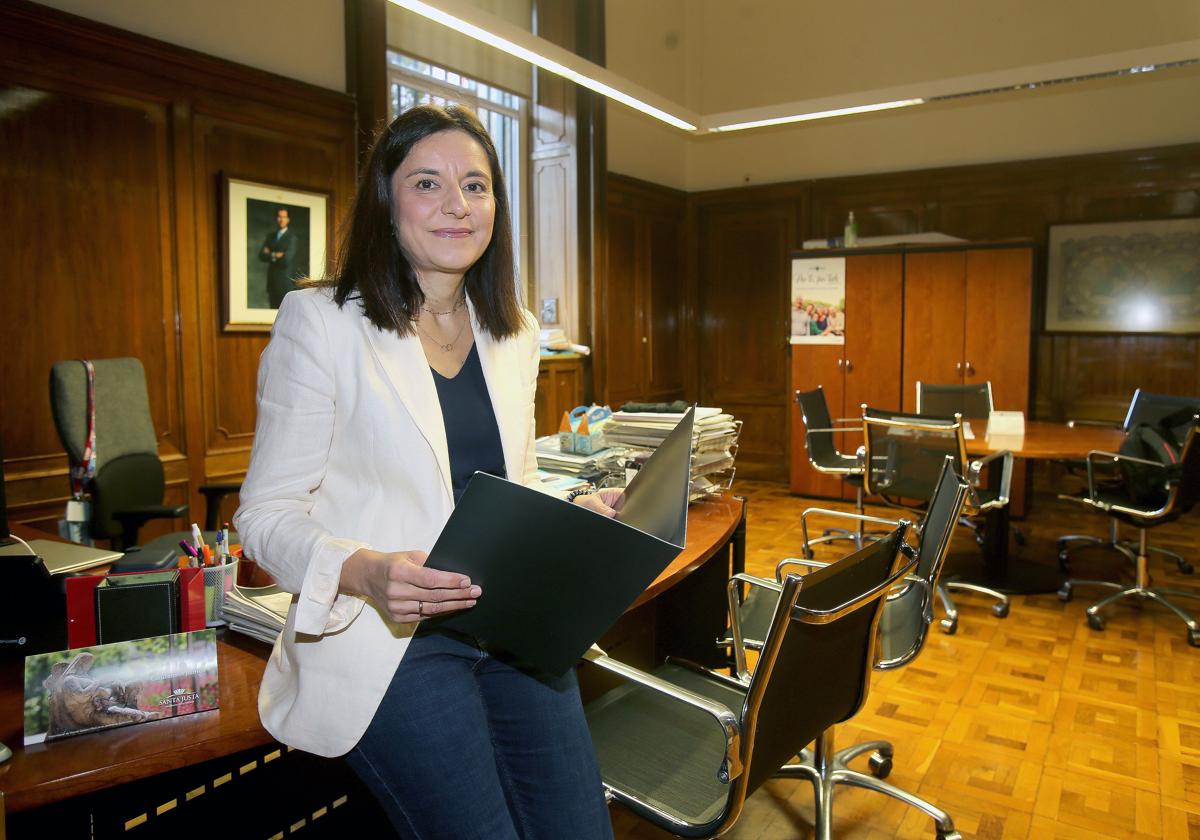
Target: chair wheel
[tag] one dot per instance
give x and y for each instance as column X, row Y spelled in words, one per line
column 1194, row 638
column 1001, row 610
column 880, row 765
column 1065, row 593
column 949, row 835
column 1186, row 567
column 949, row 626
column 1095, row 621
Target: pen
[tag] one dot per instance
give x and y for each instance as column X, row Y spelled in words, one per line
column 208, row 557
column 187, row 549
column 197, row 537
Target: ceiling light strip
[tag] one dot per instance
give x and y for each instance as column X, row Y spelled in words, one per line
column 820, row 115
column 1086, row 77
column 584, row 73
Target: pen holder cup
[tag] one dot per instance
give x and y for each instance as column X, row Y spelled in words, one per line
column 217, row 581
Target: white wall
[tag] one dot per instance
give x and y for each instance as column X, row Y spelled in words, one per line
column 725, row 55
column 300, row 39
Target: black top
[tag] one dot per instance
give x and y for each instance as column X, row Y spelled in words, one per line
column 471, row 431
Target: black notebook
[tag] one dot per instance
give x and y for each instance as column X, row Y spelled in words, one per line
column 555, row 575
column 137, row 606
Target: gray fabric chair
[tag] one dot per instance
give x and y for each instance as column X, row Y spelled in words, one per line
column 1144, row 407
column 903, row 629
column 129, row 485
column 1181, row 493
column 947, row 400
column 904, row 455
column 683, row 747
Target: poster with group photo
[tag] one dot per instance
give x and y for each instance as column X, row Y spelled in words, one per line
column 819, row 301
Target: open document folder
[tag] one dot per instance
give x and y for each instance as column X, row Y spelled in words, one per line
column 556, row 575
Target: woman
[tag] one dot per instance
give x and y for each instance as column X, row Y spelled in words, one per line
column 382, row 390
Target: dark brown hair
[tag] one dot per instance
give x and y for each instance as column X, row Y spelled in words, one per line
column 370, row 264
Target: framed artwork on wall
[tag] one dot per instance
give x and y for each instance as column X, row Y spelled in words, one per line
column 1124, row 277
column 273, row 237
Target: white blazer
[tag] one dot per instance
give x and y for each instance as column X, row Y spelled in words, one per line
column 350, row 452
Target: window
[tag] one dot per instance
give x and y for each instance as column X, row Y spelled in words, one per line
column 415, row 82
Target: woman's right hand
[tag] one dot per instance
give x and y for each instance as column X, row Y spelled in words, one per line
column 400, row 585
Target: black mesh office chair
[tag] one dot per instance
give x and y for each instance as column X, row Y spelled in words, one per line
column 1179, row 495
column 682, row 747
column 129, row 486
column 904, row 455
column 973, row 400
column 825, row 457
column 903, row 628
column 1143, row 408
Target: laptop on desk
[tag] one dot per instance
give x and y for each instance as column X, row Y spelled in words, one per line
column 62, row 558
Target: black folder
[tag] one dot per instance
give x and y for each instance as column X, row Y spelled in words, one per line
column 555, row 575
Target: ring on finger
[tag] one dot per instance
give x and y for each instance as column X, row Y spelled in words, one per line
column 420, row 607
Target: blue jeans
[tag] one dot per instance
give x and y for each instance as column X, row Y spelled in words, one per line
column 465, row 746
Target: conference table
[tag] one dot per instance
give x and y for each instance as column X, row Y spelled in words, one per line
column 1003, row 569
column 225, row 759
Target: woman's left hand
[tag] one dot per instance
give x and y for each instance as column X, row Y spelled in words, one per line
column 606, row 501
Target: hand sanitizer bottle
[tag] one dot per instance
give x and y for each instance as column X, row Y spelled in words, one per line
column 850, row 234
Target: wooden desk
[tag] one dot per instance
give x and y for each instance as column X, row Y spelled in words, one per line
column 1042, row 440
column 44, row 774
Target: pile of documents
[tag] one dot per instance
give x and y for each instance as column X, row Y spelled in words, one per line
column 257, row 611
column 554, row 463
column 714, row 442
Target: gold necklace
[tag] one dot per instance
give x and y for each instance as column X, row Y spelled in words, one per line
column 457, row 306
column 444, row 347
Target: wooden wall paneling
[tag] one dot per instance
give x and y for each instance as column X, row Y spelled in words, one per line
column 744, row 252
column 620, row 358
column 934, row 290
column 106, row 132
column 882, row 206
column 667, row 355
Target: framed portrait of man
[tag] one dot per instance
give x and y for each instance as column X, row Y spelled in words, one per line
column 274, row 237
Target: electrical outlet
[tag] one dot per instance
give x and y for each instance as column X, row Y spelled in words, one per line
column 549, row 310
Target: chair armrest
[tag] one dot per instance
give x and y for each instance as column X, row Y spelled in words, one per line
column 134, row 517
column 838, row 514
column 815, row 616
column 1112, row 458
column 735, row 617
column 724, row 717
column 1006, row 467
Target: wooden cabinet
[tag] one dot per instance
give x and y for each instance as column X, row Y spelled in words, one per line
column 559, row 389
column 866, row 369
column 640, row 351
column 967, row 319
column 950, row 315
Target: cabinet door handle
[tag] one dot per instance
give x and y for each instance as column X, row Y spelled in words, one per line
column 840, row 363
column 645, row 340
column 970, row 369
column 958, row 366
column 849, row 366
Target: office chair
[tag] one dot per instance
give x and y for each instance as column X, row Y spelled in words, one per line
column 682, row 746
column 128, row 488
column 1181, row 492
column 903, row 454
column 1143, row 408
column 823, row 454
column 903, row 628
column 973, row 400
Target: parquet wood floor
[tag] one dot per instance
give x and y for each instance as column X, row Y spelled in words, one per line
column 1033, row 726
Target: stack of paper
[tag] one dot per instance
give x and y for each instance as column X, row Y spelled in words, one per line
column 259, row 612
column 593, row 468
column 714, row 442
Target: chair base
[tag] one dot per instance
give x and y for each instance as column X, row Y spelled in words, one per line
column 949, row 624
column 826, row 769
column 1141, row 589
column 1113, row 543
